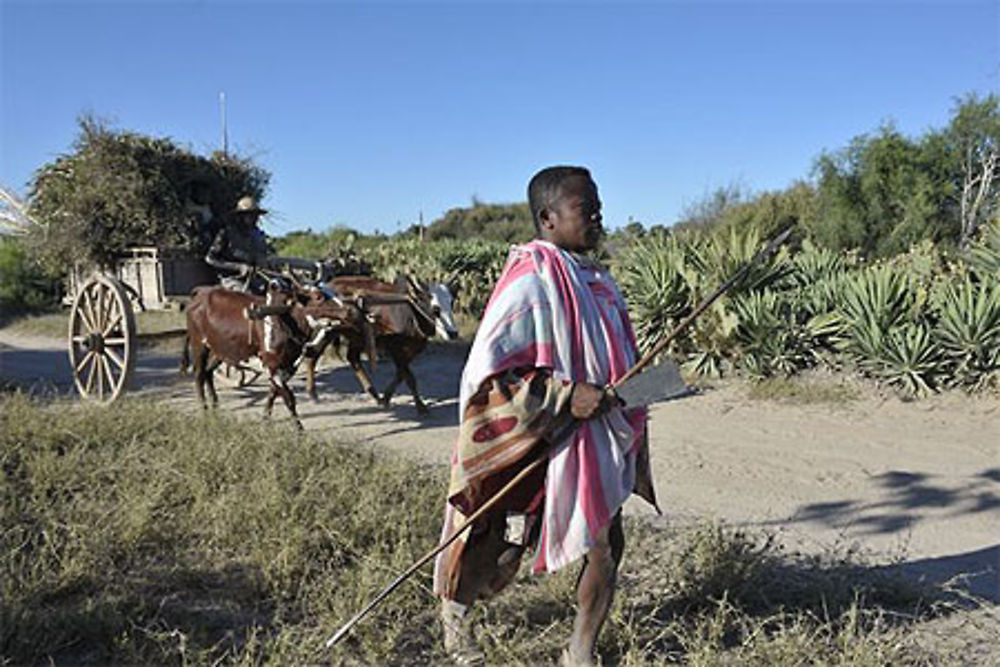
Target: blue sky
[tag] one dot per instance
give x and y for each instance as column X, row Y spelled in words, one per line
column 367, row 114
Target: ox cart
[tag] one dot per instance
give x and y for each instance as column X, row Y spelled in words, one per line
column 103, row 340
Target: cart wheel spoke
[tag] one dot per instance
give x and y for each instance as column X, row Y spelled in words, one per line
column 83, row 361
column 95, row 308
column 104, row 302
column 92, row 375
column 101, row 376
column 116, row 341
column 113, row 356
column 112, row 323
column 109, row 378
column 86, row 311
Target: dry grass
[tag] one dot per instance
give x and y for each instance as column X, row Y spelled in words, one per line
column 141, row 536
column 805, row 390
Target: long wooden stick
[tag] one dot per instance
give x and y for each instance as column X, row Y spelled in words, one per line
column 556, row 439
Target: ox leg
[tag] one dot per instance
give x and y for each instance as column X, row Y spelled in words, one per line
column 210, row 382
column 200, row 361
column 354, row 359
column 279, row 386
column 311, row 377
column 390, row 389
column 271, row 395
column 411, row 382
column 403, row 374
column 185, row 355
column 311, row 353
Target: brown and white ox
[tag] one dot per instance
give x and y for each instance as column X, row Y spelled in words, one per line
column 226, row 326
column 404, row 316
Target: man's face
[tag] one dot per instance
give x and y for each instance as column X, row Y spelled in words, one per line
column 573, row 221
column 249, row 219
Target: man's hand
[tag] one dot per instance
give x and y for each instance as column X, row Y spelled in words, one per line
column 589, row 400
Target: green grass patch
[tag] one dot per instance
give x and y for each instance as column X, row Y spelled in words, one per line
column 142, row 535
column 802, row 391
column 55, row 325
column 51, row 324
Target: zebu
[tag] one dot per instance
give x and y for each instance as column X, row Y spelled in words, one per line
column 404, row 316
column 229, row 326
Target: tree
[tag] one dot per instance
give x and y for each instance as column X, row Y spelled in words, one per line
column 118, row 189
column 768, row 212
column 510, row 223
column 877, row 195
column 974, row 137
column 708, row 210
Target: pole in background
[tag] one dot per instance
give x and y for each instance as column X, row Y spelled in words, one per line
column 222, row 119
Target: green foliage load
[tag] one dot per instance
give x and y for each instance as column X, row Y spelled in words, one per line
column 119, row 189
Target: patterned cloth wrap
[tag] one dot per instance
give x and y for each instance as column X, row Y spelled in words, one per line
column 562, row 313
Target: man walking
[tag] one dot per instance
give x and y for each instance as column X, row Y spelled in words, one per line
column 555, row 333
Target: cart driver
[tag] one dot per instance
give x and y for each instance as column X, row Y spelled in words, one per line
column 239, row 247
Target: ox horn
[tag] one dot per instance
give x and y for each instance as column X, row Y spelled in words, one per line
column 414, row 285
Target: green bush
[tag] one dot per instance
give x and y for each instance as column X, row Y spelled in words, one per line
column 25, row 286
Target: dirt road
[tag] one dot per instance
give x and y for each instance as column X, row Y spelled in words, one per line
column 916, row 484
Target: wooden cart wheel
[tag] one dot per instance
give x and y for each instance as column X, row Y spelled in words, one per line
column 102, row 339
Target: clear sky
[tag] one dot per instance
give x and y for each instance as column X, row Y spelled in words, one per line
column 367, row 114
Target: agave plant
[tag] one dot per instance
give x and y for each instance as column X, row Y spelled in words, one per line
column 812, row 265
column 968, row 332
column 908, row 360
column 777, row 338
column 715, row 258
column 710, row 345
column 651, row 275
column 984, row 256
column 873, row 302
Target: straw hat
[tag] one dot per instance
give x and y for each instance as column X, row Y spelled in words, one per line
column 248, row 205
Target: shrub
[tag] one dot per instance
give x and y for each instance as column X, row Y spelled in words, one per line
column 25, row 285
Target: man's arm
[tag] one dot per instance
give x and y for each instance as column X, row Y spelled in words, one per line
column 216, row 252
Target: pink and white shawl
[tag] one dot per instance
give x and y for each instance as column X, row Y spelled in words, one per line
column 556, row 310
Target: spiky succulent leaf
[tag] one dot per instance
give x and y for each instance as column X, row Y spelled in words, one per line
column 968, row 332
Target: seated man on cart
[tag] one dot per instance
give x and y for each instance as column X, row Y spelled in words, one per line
column 243, row 256
column 241, row 247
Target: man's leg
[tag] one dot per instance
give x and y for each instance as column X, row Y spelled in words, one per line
column 478, row 568
column 459, row 642
column 595, row 591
